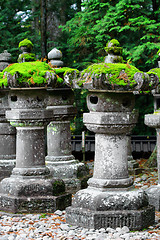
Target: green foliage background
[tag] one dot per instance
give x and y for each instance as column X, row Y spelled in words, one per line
column 135, row 23
column 85, row 32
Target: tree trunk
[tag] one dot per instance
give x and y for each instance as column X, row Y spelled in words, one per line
column 36, row 18
column 155, row 9
column 44, row 29
column 78, row 5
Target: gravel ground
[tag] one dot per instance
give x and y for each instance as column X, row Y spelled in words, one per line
column 54, row 226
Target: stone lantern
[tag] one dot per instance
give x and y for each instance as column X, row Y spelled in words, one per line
column 59, row 157
column 111, row 199
column 30, row 187
column 26, row 48
column 153, row 120
column 5, row 59
column 54, row 56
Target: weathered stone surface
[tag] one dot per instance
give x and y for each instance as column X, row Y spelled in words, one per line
column 54, row 54
column 110, row 167
column 152, row 120
column 97, row 200
column 133, row 166
column 106, row 122
column 110, row 102
column 27, row 99
column 39, row 204
column 7, row 149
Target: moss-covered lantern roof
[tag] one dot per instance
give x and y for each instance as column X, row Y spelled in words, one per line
column 116, row 76
column 34, row 74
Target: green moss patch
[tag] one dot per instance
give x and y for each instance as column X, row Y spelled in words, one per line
column 58, row 187
column 119, row 73
column 155, row 71
column 61, row 72
column 3, row 80
column 65, row 70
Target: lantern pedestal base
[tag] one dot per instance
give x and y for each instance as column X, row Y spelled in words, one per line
column 154, row 196
column 31, row 194
column 133, row 219
column 111, row 207
column 38, row 204
column 71, row 171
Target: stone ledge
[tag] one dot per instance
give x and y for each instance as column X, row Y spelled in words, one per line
column 110, row 118
column 28, row 114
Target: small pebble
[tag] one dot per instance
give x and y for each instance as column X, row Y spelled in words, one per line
column 58, row 212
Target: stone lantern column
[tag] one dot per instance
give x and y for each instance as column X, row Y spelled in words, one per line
column 153, row 120
column 111, row 124
column 8, row 139
column 30, row 187
column 60, row 160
